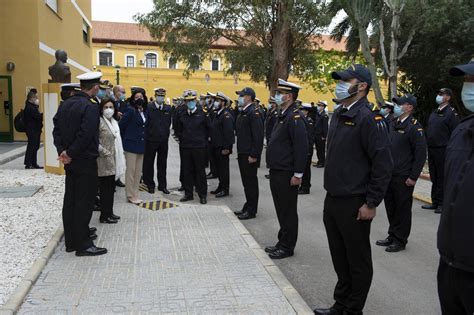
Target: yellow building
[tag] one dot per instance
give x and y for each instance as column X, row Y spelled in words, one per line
column 127, row 52
column 30, row 33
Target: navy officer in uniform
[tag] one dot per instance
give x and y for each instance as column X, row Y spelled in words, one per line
column 408, row 147
column 320, row 132
column 193, row 130
column 441, row 124
column 307, row 109
column 222, row 140
column 287, row 154
column 249, row 131
column 456, row 227
column 358, row 170
column 76, row 137
column 157, row 133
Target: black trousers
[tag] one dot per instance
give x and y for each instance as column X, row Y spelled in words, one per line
column 306, row 180
column 285, row 199
column 194, row 171
column 213, row 166
column 79, row 197
column 106, row 194
column 222, row 163
column 320, row 145
column 455, row 290
column 398, row 203
column 349, row 244
column 181, row 178
column 436, row 157
column 158, row 150
column 31, row 154
column 248, row 174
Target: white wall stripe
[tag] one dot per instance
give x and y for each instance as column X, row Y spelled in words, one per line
column 81, row 13
column 51, row 51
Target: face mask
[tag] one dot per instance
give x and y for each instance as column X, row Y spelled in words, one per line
column 467, row 95
column 279, row 99
column 191, row 105
column 336, row 106
column 439, row 99
column 122, row 97
column 108, row 112
column 140, row 102
column 160, row 99
column 269, row 106
column 397, row 111
column 36, row 102
column 217, row 105
column 320, row 108
column 208, row 101
column 383, row 112
column 240, row 101
column 342, row 90
column 101, row 94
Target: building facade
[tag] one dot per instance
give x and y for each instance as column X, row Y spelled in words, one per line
column 126, row 52
column 30, row 32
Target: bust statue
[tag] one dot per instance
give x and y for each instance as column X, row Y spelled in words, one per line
column 60, row 72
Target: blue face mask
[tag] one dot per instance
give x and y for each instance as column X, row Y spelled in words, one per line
column 240, row 101
column 279, row 99
column 397, row 111
column 342, row 90
column 467, row 96
column 160, row 99
column 384, row 111
column 122, row 97
column 101, row 94
column 191, row 105
column 439, row 99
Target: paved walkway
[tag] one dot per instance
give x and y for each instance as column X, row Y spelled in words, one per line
column 191, row 259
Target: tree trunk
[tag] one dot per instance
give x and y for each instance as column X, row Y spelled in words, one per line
column 395, row 30
column 364, row 43
column 280, row 46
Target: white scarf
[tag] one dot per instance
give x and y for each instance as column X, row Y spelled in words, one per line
column 119, row 155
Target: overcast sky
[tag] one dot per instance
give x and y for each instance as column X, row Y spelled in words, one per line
column 124, row 10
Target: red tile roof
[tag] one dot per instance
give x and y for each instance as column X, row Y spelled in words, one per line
column 114, row 32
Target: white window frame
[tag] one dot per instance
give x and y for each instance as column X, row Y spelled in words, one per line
column 219, row 67
column 157, row 59
column 53, row 5
column 134, row 60
column 177, row 64
column 105, row 50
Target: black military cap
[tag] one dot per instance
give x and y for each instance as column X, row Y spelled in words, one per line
column 407, row 98
column 246, row 91
column 357, row 71
column 446, row 91
column 464, row 69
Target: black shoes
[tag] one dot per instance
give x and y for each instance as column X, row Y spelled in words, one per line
column 430, row 207
column 386, row 242
column 181, row 188
column 116, row 217
column 396, row 246
column 438, row 210
column 203, row 200
column 267, row 176
column 93, row 236
column 327, row 311
column 211, row 176
column 186, row 198
column 319, row 165
column 92, row 251
column 303, row 191
column 69, row 250
column 119, row 183
column 37, row 167
column 108, row 220
column 165, row 191
column 239, row 212
column 280, row 253
column 215, row 192
column 222, row 193
column 246, row 215
column 270, row 249
column 33, row 167
column 92, row 230
column 151, row 190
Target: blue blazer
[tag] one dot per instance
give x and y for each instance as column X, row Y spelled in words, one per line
column 132, row 130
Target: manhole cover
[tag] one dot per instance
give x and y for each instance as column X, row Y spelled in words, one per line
column 19, row 192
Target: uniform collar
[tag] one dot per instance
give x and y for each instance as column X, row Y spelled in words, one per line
column 442, row 108
column 354, row 108
column 288, row 110
column 247, row 106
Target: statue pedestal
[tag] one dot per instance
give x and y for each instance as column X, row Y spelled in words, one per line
column 51, row 99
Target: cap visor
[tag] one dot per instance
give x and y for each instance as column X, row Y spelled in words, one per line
column 462, row 70
column 341, row 75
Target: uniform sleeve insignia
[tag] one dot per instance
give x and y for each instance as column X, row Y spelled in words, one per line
column 296, row 116
column 257, row 113
column 419, row 129
column 349, row 123
column 378, row 118
column 204, row 110
column 93, row 101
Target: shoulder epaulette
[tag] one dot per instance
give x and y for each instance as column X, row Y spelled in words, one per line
column 93, row 100
column 295, row 111
column 414, row 121
column 296, row 117
column 204, row 110
column 378, row 118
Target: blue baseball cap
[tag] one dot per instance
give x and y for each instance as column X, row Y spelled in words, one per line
column 357, row 71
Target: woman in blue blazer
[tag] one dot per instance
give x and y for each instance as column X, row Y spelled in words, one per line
column 132, row 130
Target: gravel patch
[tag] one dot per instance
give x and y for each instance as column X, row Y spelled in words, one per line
column 26, row 224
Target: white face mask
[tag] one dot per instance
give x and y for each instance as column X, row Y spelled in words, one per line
column 108, row 112
column 160, row 99
column 342, row 90
column 467, row 96
column 36, row 102
column 217, row 104
column 439, row 99
column 279, row 99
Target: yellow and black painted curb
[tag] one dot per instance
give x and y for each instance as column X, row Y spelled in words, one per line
column 157, row 205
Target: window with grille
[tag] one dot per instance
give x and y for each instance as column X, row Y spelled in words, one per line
column 150, row 60
column 105, row 58
column 130, row 61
